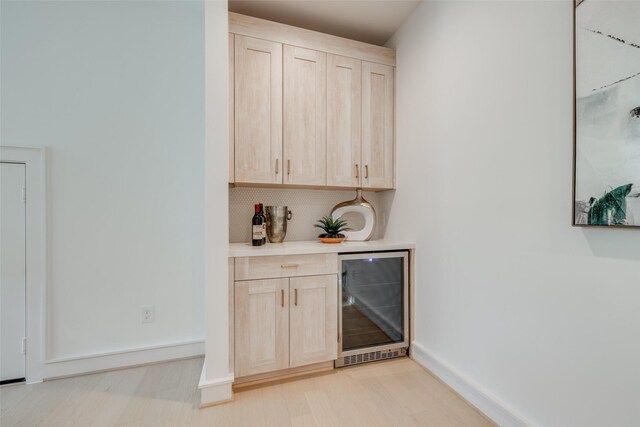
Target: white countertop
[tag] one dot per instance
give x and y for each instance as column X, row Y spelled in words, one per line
column 315, row 247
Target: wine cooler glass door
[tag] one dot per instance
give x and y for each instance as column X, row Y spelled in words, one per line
column 374, row 300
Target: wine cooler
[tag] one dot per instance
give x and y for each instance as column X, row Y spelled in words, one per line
column 373, row 318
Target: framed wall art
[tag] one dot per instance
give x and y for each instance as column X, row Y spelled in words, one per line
column 606, row 170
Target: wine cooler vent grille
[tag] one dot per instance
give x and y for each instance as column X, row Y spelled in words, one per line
column 371, row 356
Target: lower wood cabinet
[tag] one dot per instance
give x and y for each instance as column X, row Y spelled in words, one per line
column 313, row 319
column 261, row 326
column 284, row 323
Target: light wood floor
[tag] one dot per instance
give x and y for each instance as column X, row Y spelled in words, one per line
column 389, row 393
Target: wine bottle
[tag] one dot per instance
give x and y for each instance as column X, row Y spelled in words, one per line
column 264, row 224
column 257, row 227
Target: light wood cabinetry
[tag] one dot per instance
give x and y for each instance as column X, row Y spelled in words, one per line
column 305, row 111
column 313, row 319
column 258, row 111
column 378, row 130
column 285, row 322
column 287, row 34
column 261, row 326
column 266, row 267
column 360, row 124
column 310, row 109
column 344, row 120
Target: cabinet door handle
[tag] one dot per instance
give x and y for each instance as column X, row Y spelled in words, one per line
column 288, row 167
column 277, row 166
column 282, row 297
column 288, row 265
column 366, row 171
column 295, row 297
column 357, row 171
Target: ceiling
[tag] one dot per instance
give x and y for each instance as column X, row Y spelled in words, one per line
column 369, row 21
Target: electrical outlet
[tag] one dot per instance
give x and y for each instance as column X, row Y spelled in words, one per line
column 147, row 314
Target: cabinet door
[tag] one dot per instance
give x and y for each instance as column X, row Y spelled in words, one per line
column 378, row 120
column 313, row 319
column 258, row 111
column 344, row 118
column 261, row 326
column 305, row 109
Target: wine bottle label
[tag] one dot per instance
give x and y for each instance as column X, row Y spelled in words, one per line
column 257, row 231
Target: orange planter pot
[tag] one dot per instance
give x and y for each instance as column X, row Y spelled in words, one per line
column 331, row 239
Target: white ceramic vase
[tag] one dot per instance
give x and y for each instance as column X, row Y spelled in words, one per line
column 360, row 206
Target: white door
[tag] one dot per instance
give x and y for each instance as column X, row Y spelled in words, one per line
column 12, row 271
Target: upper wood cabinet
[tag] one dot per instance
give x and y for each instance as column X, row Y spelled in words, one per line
column 378, row 127
column 310, row 109
column 344, row 121
column 258, row 110
column 305, row 112
column 360, row 124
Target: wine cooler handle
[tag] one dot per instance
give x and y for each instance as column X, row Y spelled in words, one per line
column 339, row 323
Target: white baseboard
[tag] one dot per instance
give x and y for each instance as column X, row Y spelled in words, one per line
column 57, row 368
column 213, row 392
column 488, row 404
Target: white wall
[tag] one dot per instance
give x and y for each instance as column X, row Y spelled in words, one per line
column 115, row 91
column 540, row 315
column 215, row 381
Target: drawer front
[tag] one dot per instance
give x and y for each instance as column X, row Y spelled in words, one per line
column 267, row 267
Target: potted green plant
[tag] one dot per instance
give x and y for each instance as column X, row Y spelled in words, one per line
column 333, row 229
